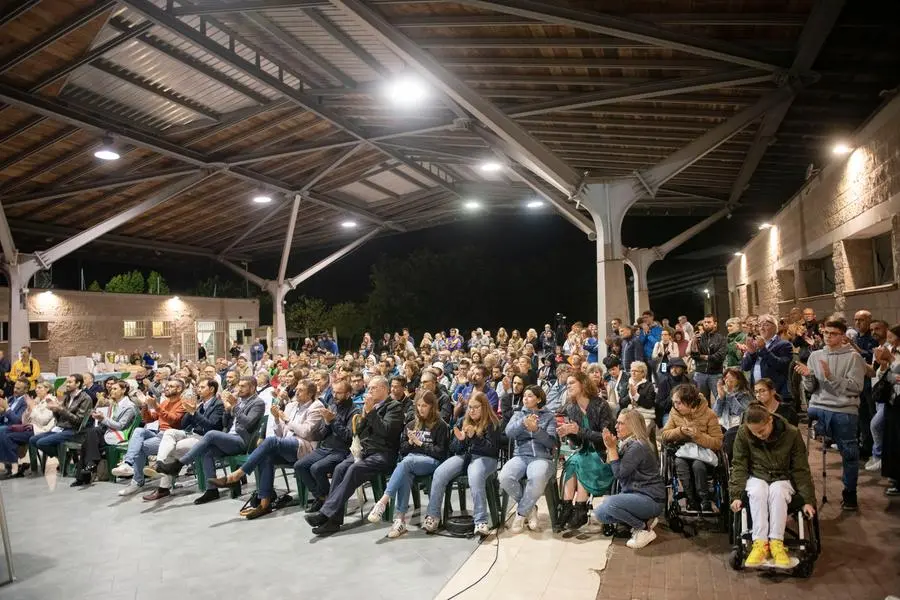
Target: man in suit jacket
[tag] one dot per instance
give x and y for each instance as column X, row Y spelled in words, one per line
column 768, row 356
column 240, row 425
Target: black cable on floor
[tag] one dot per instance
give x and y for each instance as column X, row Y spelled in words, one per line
column 493, row 562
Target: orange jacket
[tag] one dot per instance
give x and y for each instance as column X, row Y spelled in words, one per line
column 169, row 412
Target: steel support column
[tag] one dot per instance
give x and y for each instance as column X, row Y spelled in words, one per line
column 18, row 275
column 332, row 258
column 288, row 239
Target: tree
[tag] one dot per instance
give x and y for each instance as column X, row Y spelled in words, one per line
column 126, row 283
column 95, row 286
column 217, row 287
column 307, row 314
column 156, row 284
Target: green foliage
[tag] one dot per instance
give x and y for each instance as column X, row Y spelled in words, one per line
column 306, row 314
column 217, row 287
column 156, row 284
column 126, row 283
column 95, row 286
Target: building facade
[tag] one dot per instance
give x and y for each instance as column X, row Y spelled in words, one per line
column 835, row 246
column 71, row 323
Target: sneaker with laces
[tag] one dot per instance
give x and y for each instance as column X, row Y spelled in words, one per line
column 533, row 523
column 873, row 465
column 131, row 489
column 397, row 529
column 123, row 470
column 759, row 554
column 779, row 554
column 518, row 524
column 376, row 513
column 482, row 529
column 641, row 538
column 430, row 524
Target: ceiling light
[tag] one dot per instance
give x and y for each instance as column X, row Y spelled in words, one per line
column 534, row 204
column 262, row 199
column 491, row 166
column 765, row 226
column 348, row 224
column 706, row 290
column 406, row 91
column 472, row 205
column 738, row 253
column 841, row 148
column 108, row 150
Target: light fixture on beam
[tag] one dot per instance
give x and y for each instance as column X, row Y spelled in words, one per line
column 841, row 149
column 406, row 91
column 490, row 166
column 534, row 204
column 107, row 151
column 738, row 253
column 765, row 226
column 472, row 205
column 348, row 224
column 262, row 198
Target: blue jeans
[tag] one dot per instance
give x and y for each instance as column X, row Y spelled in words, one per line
column 842, row 428
column 706, row 383
column 142, row 444
column 537, row 470
column 479, row 469
column 9, row 444
column 272, row 452
column 315, row 467
column 48, row 442
column 215, row 444
column 400, row 483
column 631, row 509
column 877, row 428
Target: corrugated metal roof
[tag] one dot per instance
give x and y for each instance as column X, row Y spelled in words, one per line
column 395, row 183
column 110, row 95
column 360, row 191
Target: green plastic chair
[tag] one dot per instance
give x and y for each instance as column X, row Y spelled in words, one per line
column 551, row 494
column 234, row 461
column 461, row 482
column 61, row 449
column 115, row 452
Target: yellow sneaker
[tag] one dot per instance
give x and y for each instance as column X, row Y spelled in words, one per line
column 779, row 554
column 758, row 554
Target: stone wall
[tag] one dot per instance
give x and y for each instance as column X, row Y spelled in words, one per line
column 831, row 222
column 81, row 323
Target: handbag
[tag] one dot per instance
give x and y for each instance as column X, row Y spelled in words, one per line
column 691, row 451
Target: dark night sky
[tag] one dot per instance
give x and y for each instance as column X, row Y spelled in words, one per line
column 564, row 285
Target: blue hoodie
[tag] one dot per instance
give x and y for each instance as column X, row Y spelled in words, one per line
column 649, row 340
column 539, row 443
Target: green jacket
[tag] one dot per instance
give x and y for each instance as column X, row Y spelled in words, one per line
column 781, row 457
column 732, row 354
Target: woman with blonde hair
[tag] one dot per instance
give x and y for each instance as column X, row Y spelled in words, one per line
column 642, row 492
column 474, row 450
column 423, row 447
column 502, row 338
column 515, row 341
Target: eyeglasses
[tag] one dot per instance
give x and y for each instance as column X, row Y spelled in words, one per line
column 831, row 332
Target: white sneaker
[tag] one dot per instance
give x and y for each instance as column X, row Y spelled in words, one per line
column 123, row 470
column 518, row 524
column 533, row 523
column 376, row 513
column 397, row 529
column 641, row 538
column 482, row 529
column 874, row 464
column 652, row 525
column 132, row 489
column 430, row 524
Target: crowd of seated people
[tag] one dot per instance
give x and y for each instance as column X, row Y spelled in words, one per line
column 507, row 405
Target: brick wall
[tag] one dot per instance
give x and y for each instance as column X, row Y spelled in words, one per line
column 853, row 199
column 81, row 323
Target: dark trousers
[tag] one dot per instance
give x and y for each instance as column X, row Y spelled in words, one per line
column 866, row 412
column 314, row 469
column 49, row 442
column 351, row 474
column 92, row 448
column 692, row 474
column 9, row 444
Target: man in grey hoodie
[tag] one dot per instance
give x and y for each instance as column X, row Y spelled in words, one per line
column 834, row 377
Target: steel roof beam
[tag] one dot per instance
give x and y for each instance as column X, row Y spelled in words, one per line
column 332, row 258
column 16, row 10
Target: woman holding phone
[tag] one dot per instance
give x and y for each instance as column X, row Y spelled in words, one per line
column 423, row 446
column 474, row 449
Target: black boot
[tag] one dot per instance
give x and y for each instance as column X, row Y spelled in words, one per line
column 565, row 513
column 579, row 516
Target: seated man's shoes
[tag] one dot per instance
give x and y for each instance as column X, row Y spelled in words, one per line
column 208, row 496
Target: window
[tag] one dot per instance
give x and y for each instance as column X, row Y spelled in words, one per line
column 818, row 275
column 236, row 332
column 160, row 329
column 134, row 329
column 38, row 331
column 4, row 331
column 883, row 257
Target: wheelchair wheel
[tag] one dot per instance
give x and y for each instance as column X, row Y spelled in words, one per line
column 609, row 529
column 736, row 560
column 805, row 568
column 674, row 520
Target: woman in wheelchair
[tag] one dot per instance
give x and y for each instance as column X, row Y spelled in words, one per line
column 532, row 432
column 474, row 450
column 423, row 446
column 585, row 473
column 692, row 421
column 770, row 465
column 642, row 495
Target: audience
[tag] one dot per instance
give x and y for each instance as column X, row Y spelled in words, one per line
column 37, row 418
column 70, row 413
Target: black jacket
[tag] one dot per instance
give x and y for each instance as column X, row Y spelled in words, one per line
column 485, row 445
column 379, row 431
column 646, row 396
column 631, row 351
column 248, row 415
column 445, row 406
column 509, row 403
column 338, row 435
column 205, row 418
column 74, row 409
column 666, row 384
column 435, row 441
column 599, row 417
column 715, row 346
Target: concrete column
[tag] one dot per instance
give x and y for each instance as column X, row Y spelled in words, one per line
column 279, row 342
column 19, row 334
column 895, row 243
column 608, row 203
column 640, row 259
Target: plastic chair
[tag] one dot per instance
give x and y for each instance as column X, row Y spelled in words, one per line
column 551, row 494
column 233, row 461
column 492, row 488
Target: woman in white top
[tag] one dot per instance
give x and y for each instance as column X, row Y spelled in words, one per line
column 36, row 419
column 665, row 350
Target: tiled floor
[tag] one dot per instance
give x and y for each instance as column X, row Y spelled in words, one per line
column 89, row 543
column 533, row 565
column 860, row 558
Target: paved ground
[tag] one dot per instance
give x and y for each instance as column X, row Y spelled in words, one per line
column 860, row 559
column 88, row 543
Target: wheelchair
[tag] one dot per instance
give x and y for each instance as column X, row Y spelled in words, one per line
column 804, row 542
column 717, row 485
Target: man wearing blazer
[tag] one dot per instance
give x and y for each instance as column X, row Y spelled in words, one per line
column 768, row 356
column 240, row 424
